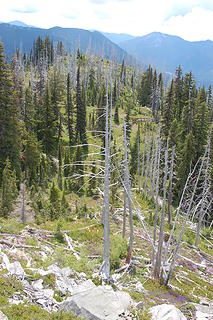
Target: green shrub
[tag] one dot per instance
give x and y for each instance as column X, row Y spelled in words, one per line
column 207, row 232
column 118, row 250
column 59, row 235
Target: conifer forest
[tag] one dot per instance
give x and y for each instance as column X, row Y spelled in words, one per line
column 106, row 170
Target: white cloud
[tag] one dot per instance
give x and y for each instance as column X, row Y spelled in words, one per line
column 190, row 19
column 193, row 26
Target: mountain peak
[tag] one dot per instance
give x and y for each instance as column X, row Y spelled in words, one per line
column 19, row 23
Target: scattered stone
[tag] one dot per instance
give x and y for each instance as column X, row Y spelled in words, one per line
column 97, row 303
column 166, row 312
column 37, row 285
column 139, row 287
column 139, row 305
column 2, row 316
column 14, row 268
column 63, row 283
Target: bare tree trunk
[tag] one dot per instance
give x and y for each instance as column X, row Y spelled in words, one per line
column 177, row 215
column 158, row 157
column 124, row 215
column 147, row 163
column 139, row 158
column 151, row 169
column 127, row 185
column 143, row 159
column 170, row 187
column 157, row 267
column 157, row 150
column 205, row 190
column 106, row 255
column 174, row 258
column 23, row 206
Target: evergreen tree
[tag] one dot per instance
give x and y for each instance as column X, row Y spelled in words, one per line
column 31, row 158
column 29, row 119
column 168, row 110
column 60, row 181
column 201, row 127
column 114, row 94
column 145, row 89
column 49, row 127
column 178, row 88
column 134, row 154
column 81, row 110
column 186, row 159
column 128, row 124
column 9, row 191
column 70, row 113
column 10, row 143
column 55, row 202
column 101, row 112
column 116, row 116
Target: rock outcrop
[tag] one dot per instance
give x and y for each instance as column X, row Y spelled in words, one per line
column 166, row 312
column 97, row 303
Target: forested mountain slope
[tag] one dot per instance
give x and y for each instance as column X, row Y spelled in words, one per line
column 165, row 52
column 105, row 178
column 15, row 37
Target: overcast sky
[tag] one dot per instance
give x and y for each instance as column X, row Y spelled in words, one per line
column 189, row 19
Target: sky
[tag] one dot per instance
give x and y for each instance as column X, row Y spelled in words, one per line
column 190, row 19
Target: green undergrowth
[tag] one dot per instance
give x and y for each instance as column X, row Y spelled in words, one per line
column 33, row 312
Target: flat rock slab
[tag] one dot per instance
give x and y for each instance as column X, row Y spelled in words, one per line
column 166, row 312
column 204, row 312
column 97, row 303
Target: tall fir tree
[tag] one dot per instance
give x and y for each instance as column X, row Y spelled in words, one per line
column 70, row 113
column 81, row 110
column 10, row 138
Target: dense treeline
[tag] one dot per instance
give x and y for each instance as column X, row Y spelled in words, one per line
column 53, row 113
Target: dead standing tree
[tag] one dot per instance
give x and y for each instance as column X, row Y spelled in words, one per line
column 157, row 264
column 128, row 191
column 186, row 216
column 106, row 255
column 206, row 195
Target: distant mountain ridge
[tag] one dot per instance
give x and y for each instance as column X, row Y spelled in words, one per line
column 118, row 37
column 19, row 23
column 14, row 37
column 166, row 52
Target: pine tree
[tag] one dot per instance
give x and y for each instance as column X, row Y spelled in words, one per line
column 70, row 113
column 187, row 158
column 29, row 119
column 81, row 110
column 60, row 180
column 114, row 94
column 101, row 112
column 178, row 88
column 55, row 202
column 10, row 143
column 31, row 156
column 9, row 190
column 128, row 124
column 134, row 154
column 145, row 88
column 49, row 126
column 168, row 110
column 116, row 116
column 201, row 124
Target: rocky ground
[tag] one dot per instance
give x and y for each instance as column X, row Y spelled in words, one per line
column 51, row 271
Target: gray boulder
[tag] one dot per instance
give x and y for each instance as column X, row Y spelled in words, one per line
column 2, row 316
column 166, row 312
column 204, row 312
column 97, row 303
